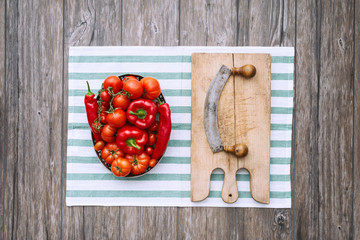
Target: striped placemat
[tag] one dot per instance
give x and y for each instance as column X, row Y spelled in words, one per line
column 88, row 182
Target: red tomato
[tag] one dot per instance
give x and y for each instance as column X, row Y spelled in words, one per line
column 99, row 145
column 105, row 96
column 114, row 82
column 121, row 167
column 117, row 119
column 139, row 163
column 152, row 139
column 151, row 87
column 129, row 78
column 110, row 152
column 152, row 162
column 121, row 101
column 108, row 133
column 105, row 106
column 103, row 117
column 133, row 88
column 149, row 151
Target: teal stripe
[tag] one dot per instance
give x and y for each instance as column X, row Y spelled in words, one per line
column 157, row 75
column 281, row 126
column 280, row 161
column 159, row 194
column 175, row 126
column 280, row 144
column 282, row 93
column 164, row 160
column 282, row 59
column 165, row 92
column 137, row 59
column 177, row 109
column 165, row 177
column 281, row 110
column 282, row 76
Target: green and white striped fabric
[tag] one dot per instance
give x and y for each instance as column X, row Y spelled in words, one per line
column 88, row 182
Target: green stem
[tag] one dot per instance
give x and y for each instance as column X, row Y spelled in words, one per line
column 118, row 168
column 131, row 142
column 89, row 93
column 159, row 101
column 140, row 113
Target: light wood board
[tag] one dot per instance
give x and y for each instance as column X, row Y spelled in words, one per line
column 243, row 117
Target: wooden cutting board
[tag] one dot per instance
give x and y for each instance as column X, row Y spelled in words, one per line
column 243, row 117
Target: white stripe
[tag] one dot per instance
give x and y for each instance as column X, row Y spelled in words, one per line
column 83, row 134
column 180, row 135
column 174, row 202
column 173, row 51
column 282, row 102
column 280, row 153
column 115, row 185
column 281, row 135
column 281, row 118
column 282, row 67
column 282, row 85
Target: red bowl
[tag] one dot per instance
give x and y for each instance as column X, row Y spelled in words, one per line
column 98, row 153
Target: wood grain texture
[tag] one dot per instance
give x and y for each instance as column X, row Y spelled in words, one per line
column 356, row 144
column 155, row 23
column 89, row 23
column 150, row 23
column 2, row 116
column 265, row 23
column 33, row 172
column 207, row 23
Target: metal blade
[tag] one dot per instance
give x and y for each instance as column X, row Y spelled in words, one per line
column 210, row 109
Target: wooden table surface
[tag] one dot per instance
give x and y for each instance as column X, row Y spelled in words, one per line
column 325, row 170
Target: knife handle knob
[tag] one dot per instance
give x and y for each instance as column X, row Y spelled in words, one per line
column 247, row 71
column 240, row 150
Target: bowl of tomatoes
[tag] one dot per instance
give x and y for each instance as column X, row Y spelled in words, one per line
column 130, row 123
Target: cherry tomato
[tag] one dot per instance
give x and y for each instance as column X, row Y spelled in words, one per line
column 149, row 151
column 152, row 139
column 110, row 152
column 154, row 127
column 103, row 117
column 117, row 119
column 99, row 145
column 152, row 162
column 114, row 82
column 133, row 88
column 105, row 96
column 97, row 127
column 121, row 101
column 129, row 78
column 108, row 133
column 121, row 167
column 105, row 106
column 139, row 163
column 151, row 87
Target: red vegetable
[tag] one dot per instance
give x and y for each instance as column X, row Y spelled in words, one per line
column 131, row 140
column 141, row 113
column 92, row 106
column 164, row 130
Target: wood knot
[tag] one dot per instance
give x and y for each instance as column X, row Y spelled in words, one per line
column 280, row 219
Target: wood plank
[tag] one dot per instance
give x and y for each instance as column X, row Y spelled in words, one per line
column 89, row 23
column 207, row 23
column 156, row 23
column 32, row 191
column 336, row 119
column 2, row 116
column 356, row 161
column 266, row 23
column 11, row 115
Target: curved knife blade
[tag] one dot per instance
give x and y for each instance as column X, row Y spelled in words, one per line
column 210, row 109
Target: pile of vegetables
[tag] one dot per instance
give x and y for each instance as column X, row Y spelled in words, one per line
column 123, row 121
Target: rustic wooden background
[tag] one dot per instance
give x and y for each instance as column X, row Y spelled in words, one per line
column 34, row 42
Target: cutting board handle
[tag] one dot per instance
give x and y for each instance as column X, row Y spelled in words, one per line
column 229, row 191
column 247, row 71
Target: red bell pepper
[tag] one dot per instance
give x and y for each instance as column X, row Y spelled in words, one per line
column 141, row 113
column 131, row 140
column 91, row 106
column 164, row 130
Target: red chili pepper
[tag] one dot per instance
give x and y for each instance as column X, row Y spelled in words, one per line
column 131, row 140
column 164, row 130
column 141, row 113
column 91, row 106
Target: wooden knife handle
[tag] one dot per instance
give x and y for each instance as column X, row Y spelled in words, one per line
column 247, row 71
column 240, row 150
